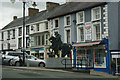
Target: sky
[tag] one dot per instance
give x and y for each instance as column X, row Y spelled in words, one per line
column 9, row 9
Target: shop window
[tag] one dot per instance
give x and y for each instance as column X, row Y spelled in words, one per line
column 85, row 58
column 41, row 56
column 100, row 58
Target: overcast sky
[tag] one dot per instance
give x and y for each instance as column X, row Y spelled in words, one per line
column 8, row 10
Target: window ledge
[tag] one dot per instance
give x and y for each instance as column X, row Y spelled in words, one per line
column 66, row 25
column 96, row 19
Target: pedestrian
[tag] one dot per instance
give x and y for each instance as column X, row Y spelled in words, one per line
column 20, row 60
column 113, row 67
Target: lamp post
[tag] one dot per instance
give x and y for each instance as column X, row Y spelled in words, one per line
column 23, row 48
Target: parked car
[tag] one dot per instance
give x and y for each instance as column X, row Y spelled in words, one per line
column 30, row 60
column 9, row 55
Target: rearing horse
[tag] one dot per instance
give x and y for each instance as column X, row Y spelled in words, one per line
column 58, row 45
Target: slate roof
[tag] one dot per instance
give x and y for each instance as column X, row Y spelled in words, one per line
column 61, row 10
column 16, row 23
column 73, row 7
column 40, row 16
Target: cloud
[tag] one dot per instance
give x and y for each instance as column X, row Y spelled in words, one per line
column 9, row 10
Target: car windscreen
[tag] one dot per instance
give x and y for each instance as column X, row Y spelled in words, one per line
column 15, row 54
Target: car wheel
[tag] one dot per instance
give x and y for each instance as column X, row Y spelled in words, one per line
column 42, row 65
column 17, row 64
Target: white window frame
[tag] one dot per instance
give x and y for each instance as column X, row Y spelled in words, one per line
column 78, row 18
column 94, row 32
column 65, row 37
column 92, row 14
column 78, row 33
column 65, row 22
column 54, row 23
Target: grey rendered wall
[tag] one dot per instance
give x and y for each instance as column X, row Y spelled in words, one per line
column 73, row 28
column 119, row 27
column 113, row 25
column 87, row 15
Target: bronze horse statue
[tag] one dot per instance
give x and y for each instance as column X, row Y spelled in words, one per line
column 57, row 45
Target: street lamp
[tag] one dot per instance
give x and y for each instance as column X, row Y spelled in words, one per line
column 23, row 48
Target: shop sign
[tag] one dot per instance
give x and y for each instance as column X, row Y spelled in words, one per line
column 12, row 45
column 6, row 41
column 88, row 31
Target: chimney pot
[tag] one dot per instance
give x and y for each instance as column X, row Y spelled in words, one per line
column 14, row 17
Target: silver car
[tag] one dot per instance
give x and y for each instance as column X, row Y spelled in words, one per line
column 9, row 55
column 30, row 60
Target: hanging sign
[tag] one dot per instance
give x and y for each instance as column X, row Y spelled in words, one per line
column 88, row 31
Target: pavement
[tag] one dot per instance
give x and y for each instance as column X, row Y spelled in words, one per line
column 91, row 72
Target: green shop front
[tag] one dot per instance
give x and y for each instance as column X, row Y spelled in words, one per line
column 92, row 55
column 40, row 53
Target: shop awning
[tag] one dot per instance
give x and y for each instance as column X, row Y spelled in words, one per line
column 86, row 44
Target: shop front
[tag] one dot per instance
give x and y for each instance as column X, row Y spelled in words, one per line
column 38, row 52
column 115, row 55
column 91, row 55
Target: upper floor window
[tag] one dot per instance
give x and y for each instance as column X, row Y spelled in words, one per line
column 67, row 35
column 46, row 25
column 2, row 35
column 97, row 31
column 20, row 31
column 43, row 40
column 19, row 43
column 80, row 36
column 8, row 45
column 32, row 27
column 67, row 20
column 96, row 13
column 80, row 17
column 27, row 30
column 13, row 33
column 47, row 39
column 8, row 34
column 55, row 23
column 37, row 27
column 27, row 42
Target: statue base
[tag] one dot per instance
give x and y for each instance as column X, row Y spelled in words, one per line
column 58, row 63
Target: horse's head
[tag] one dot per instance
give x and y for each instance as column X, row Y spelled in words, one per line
column 52, row 38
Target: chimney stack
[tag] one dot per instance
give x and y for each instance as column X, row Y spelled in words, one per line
column 50, row 5
column 14, row 17
column 32, row 11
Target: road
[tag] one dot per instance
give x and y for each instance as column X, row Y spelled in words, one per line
column 8, row 72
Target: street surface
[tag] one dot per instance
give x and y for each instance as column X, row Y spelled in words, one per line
column 10, row 72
